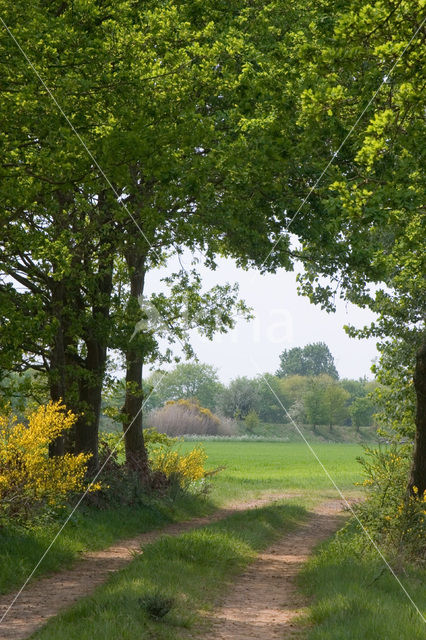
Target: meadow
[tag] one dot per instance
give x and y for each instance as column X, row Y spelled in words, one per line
column 254, row 467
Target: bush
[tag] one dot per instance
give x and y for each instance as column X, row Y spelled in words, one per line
column 120, row 485
column 30, row 481
column 184, row 417
column 251, row 421
column 393, row 518
column 185, row 470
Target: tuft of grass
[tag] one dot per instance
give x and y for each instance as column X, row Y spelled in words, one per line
column 156, row 604
column 191, row 569
column 354, row 597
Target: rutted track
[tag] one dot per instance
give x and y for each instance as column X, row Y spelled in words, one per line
column 48, row 596
column 263, row 603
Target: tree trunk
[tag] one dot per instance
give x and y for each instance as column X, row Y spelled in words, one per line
column 418, row 469
column 56, row 376
column 87, row 425
column 96, row 340
column 136, row 454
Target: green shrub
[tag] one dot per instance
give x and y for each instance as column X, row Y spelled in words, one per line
column 179, row 471
column 393, row 518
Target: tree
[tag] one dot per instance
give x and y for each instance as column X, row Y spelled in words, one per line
column 335, row 403
column 200, row 87
column 312, row 360
column 269, row 407
column 314, row 402
column 375, row 185
column 240, row 397
column 357, row 388
column 361, row 411
column 190, row 380
column 293, row 388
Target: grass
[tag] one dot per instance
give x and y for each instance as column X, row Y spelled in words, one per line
column 354, row 598
column 251, row 468
column 351, row 597
column 190, row 569
column 89, row 529
column 255, row 467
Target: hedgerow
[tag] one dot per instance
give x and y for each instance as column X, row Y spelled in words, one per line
column 392, row 516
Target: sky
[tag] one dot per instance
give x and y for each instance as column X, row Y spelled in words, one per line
column 283, row 320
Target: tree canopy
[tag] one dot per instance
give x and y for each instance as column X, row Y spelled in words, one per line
column 133, row 130
column 137, row 130
column 311, row 360
column 363, row 89
column 191, row 380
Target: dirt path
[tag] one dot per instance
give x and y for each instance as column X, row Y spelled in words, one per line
column 263, row 603
column 50, row 595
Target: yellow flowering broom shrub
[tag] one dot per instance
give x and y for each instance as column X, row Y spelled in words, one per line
column 29, row 479
column 186, row 469
column 393, row 518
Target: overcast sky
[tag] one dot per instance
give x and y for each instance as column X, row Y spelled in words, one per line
column 282, row 320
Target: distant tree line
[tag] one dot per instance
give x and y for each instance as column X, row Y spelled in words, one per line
column 307, row 384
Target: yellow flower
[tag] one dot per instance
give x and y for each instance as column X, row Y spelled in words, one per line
column 28, row 477
column 187, row 468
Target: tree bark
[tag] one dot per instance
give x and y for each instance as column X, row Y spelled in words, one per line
column 87, row 424
column 136, row 454
column 96, row 340
column 418, row 469
column 56, row 374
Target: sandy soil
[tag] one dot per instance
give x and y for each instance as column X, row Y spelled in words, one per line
column 264, row 602
column 50, row 595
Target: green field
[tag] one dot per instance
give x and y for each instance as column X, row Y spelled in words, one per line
column 254, row 467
